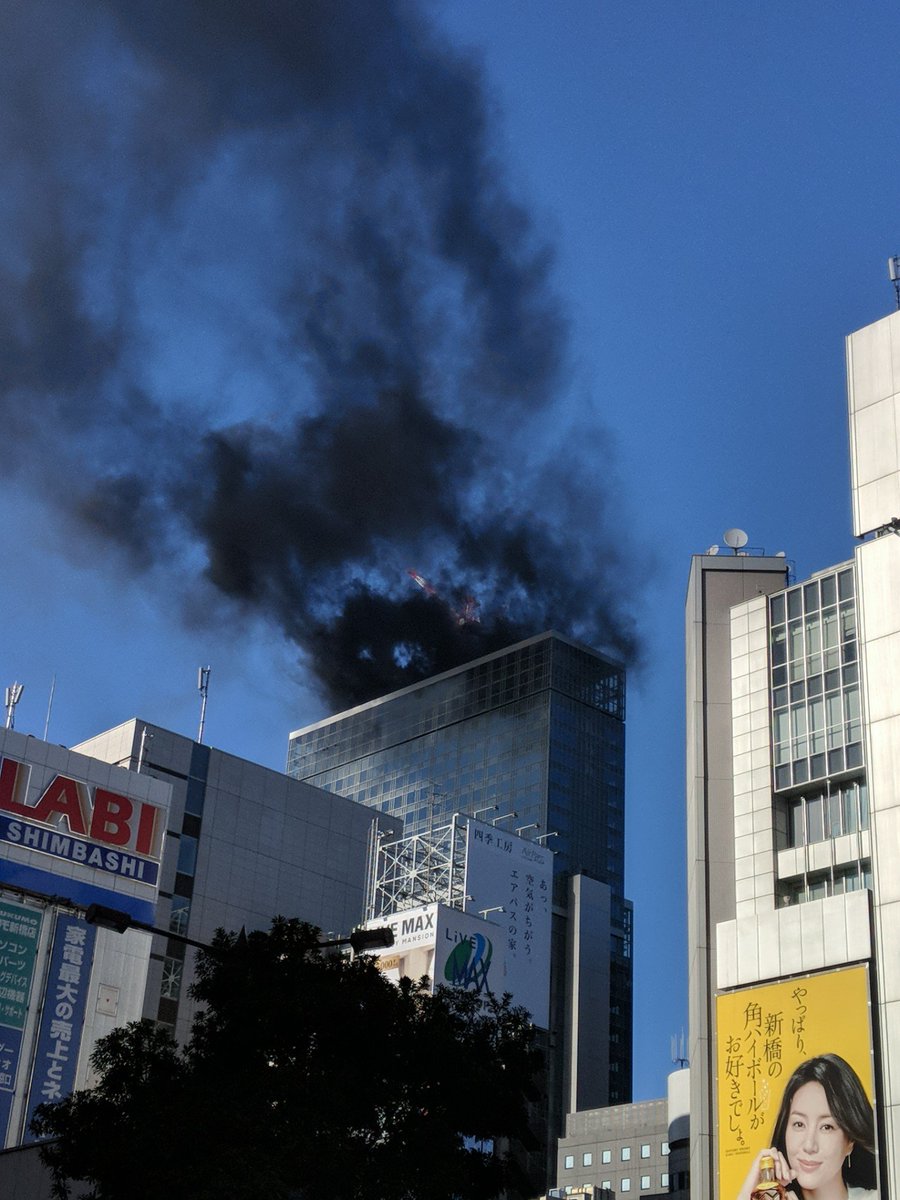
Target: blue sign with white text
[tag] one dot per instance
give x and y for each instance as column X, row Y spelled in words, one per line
column 65, row 1002
column 77, row 850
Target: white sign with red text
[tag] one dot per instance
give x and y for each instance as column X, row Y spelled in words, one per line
column 71, row 820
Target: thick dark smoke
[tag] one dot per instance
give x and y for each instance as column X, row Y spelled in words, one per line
column 271, row 322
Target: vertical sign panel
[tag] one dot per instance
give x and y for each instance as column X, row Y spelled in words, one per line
column 514, row 877
column 818, row 1026
column 62, row 1018
column 20, row 930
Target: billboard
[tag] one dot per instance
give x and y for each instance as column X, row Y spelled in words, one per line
column 767, row 1032
column 449, row 946
column 74, row 831
column 515, row 876
column 63, row 1012
column 20, row 930
column 62, row 834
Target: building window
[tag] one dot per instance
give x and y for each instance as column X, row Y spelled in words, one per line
column 645, row 1183
column 817, row 887
column 606, row 1156
column 194, row 796
column 605, row 1185
column 626, row 1153
column 179, row 914
column 664, row 1179
column 187, row 855
column 625, row 1185
column 664, row 1149
column 587, row 1159
column 827, row 812
column 833, row 882
column 816, row 723
column 570, row 1162
column 171, row 979
column 645, row 1150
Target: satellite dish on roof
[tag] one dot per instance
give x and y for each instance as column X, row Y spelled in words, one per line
column 735, row 539
column 713, row 550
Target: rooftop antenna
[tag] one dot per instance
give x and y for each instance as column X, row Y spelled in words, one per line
column 679, row 1057
column 13, row 696
column 735, row 539
column 203, row 688
column 894, row 275
column 146, row 739
column 49, row 707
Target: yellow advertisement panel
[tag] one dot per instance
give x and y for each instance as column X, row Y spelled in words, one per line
column 764, row 1035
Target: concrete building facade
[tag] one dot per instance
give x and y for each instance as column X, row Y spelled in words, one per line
column 621, row 1150
column 178, row 836
column 793, row 810
column 243, row 844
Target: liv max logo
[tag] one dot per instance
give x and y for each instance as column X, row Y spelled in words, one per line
column 81, row 824
column 469, row 962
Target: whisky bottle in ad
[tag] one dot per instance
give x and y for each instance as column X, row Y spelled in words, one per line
column 768, row 1187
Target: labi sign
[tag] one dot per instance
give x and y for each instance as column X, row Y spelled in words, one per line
column 74, row 821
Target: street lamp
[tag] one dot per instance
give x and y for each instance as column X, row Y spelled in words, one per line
column 364, row 939
column 113, row 918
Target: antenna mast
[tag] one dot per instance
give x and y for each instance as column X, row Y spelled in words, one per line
column 146, row 739
column 49, row 707
column 203, row 688
column 12, row 698
column 679, row 1057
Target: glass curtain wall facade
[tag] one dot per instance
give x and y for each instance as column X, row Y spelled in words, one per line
column 532, row 738
column 817, row 735
column 817, row 724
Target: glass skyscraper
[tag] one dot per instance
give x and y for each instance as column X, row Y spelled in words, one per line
column 533, row 739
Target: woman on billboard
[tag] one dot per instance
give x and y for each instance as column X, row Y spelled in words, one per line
column 823, row 1143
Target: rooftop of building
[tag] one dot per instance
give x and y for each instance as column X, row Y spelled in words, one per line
column 424, row 684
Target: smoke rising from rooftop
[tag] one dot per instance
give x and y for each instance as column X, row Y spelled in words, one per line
column 272, row 316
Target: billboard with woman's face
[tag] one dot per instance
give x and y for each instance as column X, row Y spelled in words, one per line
column 789, row 1055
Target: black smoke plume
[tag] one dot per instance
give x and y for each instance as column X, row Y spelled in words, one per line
column 272, row 321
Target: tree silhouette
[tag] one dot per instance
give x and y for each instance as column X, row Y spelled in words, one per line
column 306, row 1075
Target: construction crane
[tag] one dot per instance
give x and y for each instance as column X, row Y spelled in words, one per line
column 466, row 614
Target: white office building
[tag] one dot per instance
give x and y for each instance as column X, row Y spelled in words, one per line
column 793, row 756
column 172, row 834
column 74, row 832
column 243, row 843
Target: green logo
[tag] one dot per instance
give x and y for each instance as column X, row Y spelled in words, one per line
column 469, row 962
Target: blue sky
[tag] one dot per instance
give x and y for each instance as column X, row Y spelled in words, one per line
column 718, row 183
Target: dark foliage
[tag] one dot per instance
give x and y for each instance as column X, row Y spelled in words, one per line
column 306, row 1075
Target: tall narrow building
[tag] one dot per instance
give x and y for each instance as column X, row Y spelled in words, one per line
column 714, row 712
column 530, row 739
column 793, row 817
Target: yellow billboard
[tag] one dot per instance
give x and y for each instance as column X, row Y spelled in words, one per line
column 772, row 1038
